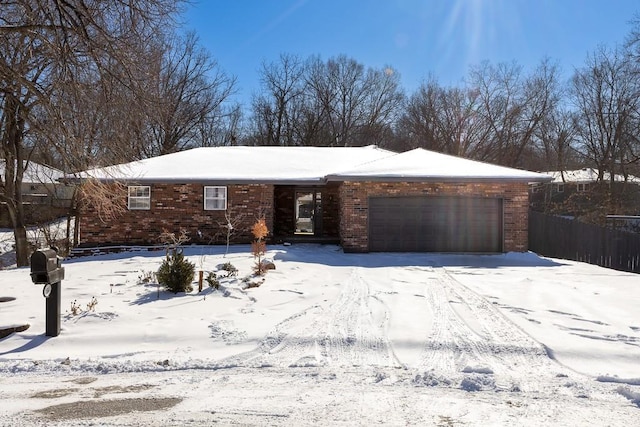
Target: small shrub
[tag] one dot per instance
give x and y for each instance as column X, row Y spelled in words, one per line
column 213, row 280
column 231, row 270
column 147, row 277
column 75, row 308
column 259, row 246
column 253, row 284
column 176, row 273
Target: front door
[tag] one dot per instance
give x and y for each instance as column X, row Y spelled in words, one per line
column 308, row 212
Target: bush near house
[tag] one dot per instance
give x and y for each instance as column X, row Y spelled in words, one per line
column 176, row 273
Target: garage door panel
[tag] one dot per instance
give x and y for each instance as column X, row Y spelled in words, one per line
column 435, row 224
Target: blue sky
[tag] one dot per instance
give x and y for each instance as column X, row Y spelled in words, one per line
column 415, row 37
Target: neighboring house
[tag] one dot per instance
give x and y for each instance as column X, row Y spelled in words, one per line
column 44, row 196
column 579, row 180
column 365, row 198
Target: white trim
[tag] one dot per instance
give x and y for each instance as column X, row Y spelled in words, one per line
column 219, row 198
column 139, row 199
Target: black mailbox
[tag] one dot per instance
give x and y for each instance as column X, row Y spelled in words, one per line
column 46, row 270
column 45, row 267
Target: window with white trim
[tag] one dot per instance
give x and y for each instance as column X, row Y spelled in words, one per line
column 559, row 188
column 215, row 198
column 582, row 187
column 139, row 197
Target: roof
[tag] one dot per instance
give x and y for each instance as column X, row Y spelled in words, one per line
column 424, row 165
column 36, row 173
column 300, row 165
column 586, row 175
column 242, row 164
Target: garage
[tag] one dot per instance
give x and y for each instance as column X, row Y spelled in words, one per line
column 435, row 224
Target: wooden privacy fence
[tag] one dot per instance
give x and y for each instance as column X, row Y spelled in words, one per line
column 559, row 237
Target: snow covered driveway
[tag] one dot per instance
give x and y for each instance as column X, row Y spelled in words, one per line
column 329, row 339
column 454, row 332
column 347, row 331
column 470, row 336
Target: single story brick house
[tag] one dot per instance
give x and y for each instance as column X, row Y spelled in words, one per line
column 365, row 198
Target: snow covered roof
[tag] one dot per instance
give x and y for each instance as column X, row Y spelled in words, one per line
column 240, row 164
column 586, row 175
column 35, row 173
column 424, row 165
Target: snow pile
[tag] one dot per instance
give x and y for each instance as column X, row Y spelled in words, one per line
column 633, row 396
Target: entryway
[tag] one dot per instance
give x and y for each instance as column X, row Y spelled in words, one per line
column 306, row 213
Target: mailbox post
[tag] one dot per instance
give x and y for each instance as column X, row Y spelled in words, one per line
column 46, row 270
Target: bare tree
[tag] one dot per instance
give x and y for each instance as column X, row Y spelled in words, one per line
column 442, row 119
column 339, row 86
column 224, row 128
column 275, row 111
column 17, row 104
column 383, row 98
column 556, row 137
column 50, row 45
column 337, row 102
column 605, row 96
column 188, row 89
column 229, row 227
column 512, row 106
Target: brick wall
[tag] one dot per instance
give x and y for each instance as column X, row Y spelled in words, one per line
column 180, row 206
column 284, row 222
column 354, row 207
column 175, row 207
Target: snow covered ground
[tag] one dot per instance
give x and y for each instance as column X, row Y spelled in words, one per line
column 328, row 339
column 37, row 235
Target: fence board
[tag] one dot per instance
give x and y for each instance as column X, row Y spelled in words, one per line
column 559, row 237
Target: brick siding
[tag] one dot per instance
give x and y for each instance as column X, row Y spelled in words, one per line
column 176, row 207
column 354, row 207
column 180, row 206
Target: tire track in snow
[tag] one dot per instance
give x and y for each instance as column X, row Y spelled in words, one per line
column 351, row 331
column 470, row 336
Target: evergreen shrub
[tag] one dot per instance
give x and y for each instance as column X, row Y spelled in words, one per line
column 176, row 273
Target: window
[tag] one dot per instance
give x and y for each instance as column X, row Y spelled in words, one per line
column 215, row 198
column 559, row 188
column 582, row 187
column 139, row 197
